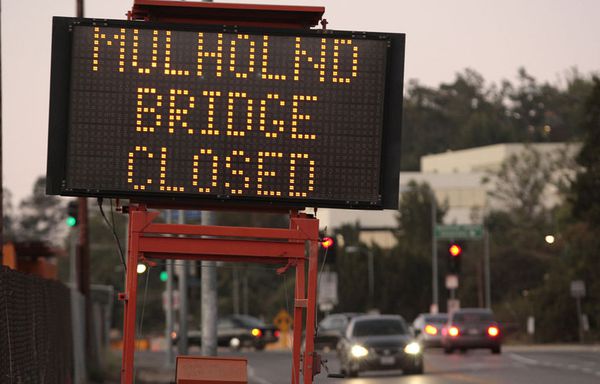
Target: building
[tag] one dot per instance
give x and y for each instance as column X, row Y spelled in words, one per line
column 457, row 179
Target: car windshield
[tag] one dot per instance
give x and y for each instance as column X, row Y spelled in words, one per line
column 250, row 321
column 436, row 319
column 473, row 317
column 379, row 327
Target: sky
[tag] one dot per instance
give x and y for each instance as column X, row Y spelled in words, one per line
column 495, row 38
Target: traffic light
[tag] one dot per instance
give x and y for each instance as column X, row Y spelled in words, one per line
column 164, row 275
column 455, row 251
column 72, row 212
column 327, row 247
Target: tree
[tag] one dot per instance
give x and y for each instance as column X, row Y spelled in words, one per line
column 41, row 217
column 587, row 185
column 8, row 219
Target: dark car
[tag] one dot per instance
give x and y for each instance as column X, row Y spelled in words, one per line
column 471, row 328
column 379, row 342
column 331, row 329
column 428, row 329
column 239, row 331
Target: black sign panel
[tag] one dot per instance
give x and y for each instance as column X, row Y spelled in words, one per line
column 155, row 111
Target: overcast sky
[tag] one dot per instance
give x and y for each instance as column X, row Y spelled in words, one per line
column 547, row 37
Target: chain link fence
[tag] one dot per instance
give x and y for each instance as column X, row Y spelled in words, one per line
column 35, row 330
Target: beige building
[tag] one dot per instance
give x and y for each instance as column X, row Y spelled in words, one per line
column 456, row 178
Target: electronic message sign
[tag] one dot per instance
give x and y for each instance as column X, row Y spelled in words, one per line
column 188, row 113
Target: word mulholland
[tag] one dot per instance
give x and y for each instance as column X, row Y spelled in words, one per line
column 327, row 61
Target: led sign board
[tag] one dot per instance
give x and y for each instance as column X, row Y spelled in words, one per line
column 290, row 118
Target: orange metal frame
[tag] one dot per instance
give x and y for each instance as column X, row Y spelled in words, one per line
column 292, row 247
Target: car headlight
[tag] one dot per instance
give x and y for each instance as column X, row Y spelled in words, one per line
column 412, row 348
column 359, row 351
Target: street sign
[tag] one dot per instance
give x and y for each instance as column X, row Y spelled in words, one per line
column 327, row 295
column 578, row 289
column 207, row 113
column 459, row 231
column 451, row 281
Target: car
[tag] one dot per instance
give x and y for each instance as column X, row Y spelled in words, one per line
column 471, row 328
column 379, row 342
column 237, row 331
column 331, row 329
column 428, row 329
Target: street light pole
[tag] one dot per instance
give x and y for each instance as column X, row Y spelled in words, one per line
column 486, row 267
column 370, row 271
column 371, row 278
column 434, row 259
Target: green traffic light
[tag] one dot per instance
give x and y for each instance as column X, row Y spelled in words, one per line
column 71, row 221
column 164, row 275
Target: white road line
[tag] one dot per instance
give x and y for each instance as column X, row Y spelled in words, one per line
column 257, row 379
column 524, row 360
column 573, row 367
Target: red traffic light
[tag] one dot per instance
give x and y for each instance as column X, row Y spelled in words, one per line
column 326, row 242
column 455, row 250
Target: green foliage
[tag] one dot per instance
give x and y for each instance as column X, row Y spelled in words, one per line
column 41, row 217
column 402, row 274
column 469, row 113
column 587, row 185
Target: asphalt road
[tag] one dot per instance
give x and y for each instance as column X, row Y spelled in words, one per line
column 528, row 365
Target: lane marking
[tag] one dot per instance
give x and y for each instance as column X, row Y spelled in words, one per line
column 572, row 367
column 255, row 378
column 523, row 359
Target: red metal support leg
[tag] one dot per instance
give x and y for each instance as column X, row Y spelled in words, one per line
column 299, row 305
column 129, row 326
column 313, row 270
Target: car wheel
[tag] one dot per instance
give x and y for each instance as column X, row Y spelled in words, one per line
column 496, row 350
column 463, row 351
column 418, row 370
column 448, row 350
column 259, row 346
column 352, row 372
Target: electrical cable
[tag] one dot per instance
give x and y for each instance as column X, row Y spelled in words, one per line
column 113, row 231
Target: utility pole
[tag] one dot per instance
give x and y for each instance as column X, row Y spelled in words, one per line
column 236, row 290
column 183, row 299
column 169, row 304
column 1, row 179
column 209, row 298
column 209, row 293
column 434, row 259
column 83, row 252
column 486, row 269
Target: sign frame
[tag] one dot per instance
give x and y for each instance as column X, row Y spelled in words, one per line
column 59, row 120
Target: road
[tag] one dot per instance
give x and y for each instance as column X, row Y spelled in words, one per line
column 528, row 365
column 523, row 364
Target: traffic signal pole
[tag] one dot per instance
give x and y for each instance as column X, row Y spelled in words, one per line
column 435, row 305
column 169, row 303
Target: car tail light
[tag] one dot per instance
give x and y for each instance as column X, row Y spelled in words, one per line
column 256, row 332
column 276, row 333
column 453, row 331
column 431, row 330
column 493, row 331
